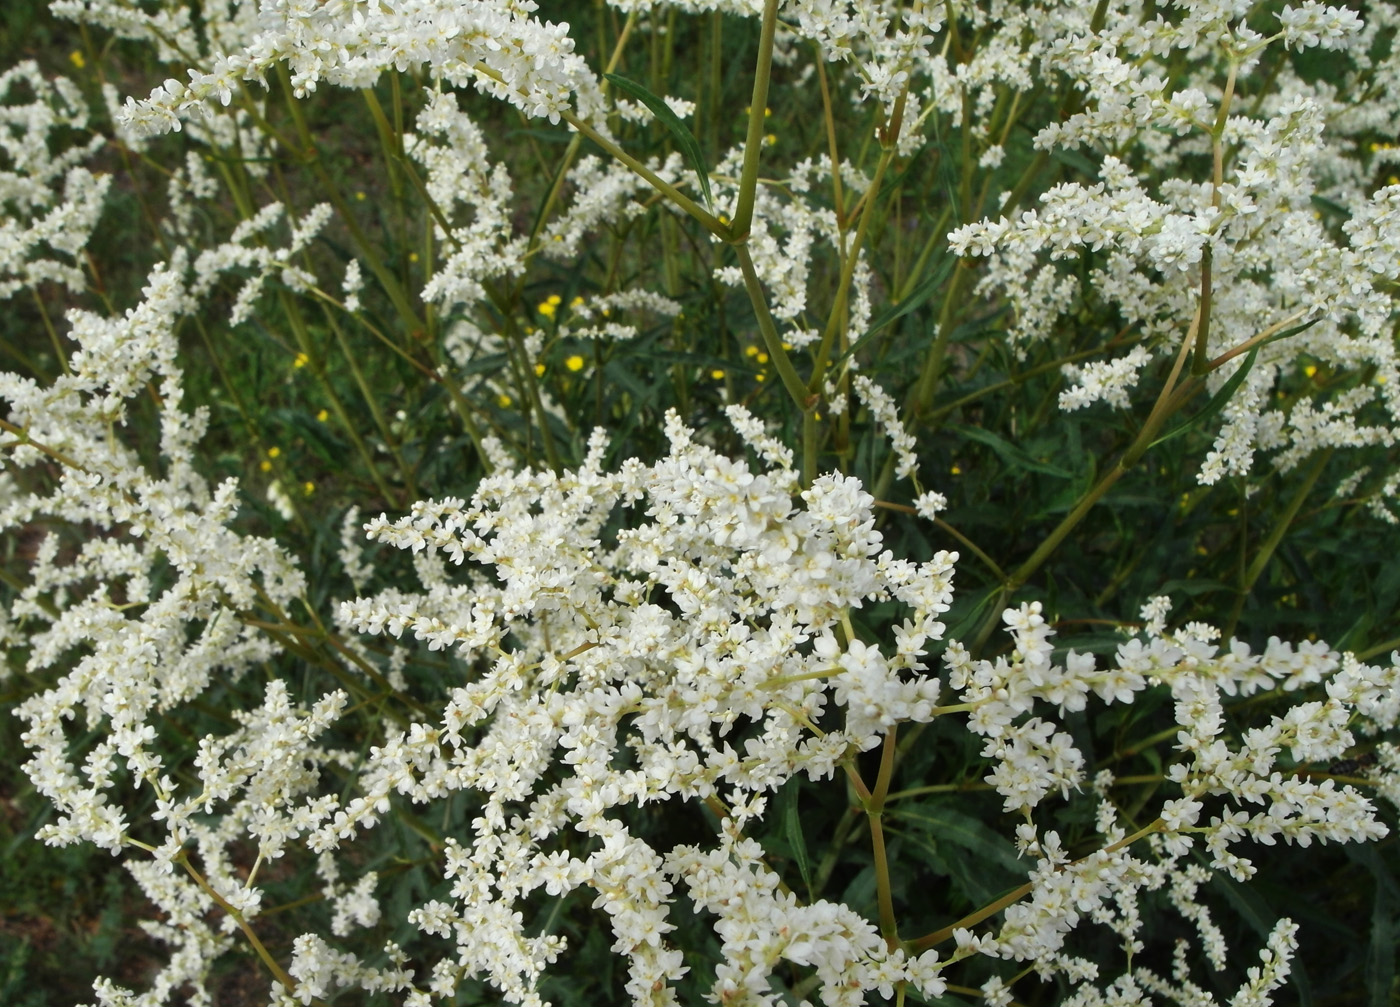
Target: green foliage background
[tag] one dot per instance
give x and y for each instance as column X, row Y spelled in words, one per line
column 993, row 440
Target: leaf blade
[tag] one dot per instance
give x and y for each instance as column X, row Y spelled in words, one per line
column 685, row 139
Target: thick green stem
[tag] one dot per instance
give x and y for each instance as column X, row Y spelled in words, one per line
column 874, row 811
column 922, row 397
column 800, row 396
column 758, row 106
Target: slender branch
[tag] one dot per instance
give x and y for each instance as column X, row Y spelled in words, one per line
column 557, row 185
column 1016, row 895
column 24, row 440
column 1254, row 341
column 1379, row 649
column 278, row 973
column 837, row 200
column 1270, row 544
column 1166, row 404
column 1200, row 363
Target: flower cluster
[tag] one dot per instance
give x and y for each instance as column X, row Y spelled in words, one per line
column 707, row 638
column 596, row 637
column 496, row 47
column 1246, row 242
column 37, row 220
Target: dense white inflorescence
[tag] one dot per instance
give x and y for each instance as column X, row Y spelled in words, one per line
column 683, row 632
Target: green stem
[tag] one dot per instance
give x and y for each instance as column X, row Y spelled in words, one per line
column 395, row 449
column 1200, row 363
column 851, row 257
column 278, row 973
column 1016, row 895
column 874, row 811
column 937, row 788
column 53, row 334
column 1280, row 527
column 570, row 152
column 837, row 201
column 307, row 346
column 769, row 331
column 758, row 105
column 1169, row 400
column 367, row 249
column 1011, row 382
column 706, row 219
column 927, row 385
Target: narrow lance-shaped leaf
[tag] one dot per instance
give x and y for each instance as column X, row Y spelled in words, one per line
column 1216, row 403
column 792, row 830
column 685, row 139
column 1218, row 400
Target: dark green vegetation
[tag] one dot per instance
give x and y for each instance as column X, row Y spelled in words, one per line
column 346, row 414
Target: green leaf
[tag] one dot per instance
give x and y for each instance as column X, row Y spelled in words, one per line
column 1216, row 403
column 948, row 825
column 1077, row 161
column 792, row 831
column 685, row 139
column 1380, row 956
column 1218, row 400
column 968, row 623
column 1011, row 454
column 926, row 289
column 1331, row 207
column 980, row 864
column 1380, row 952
